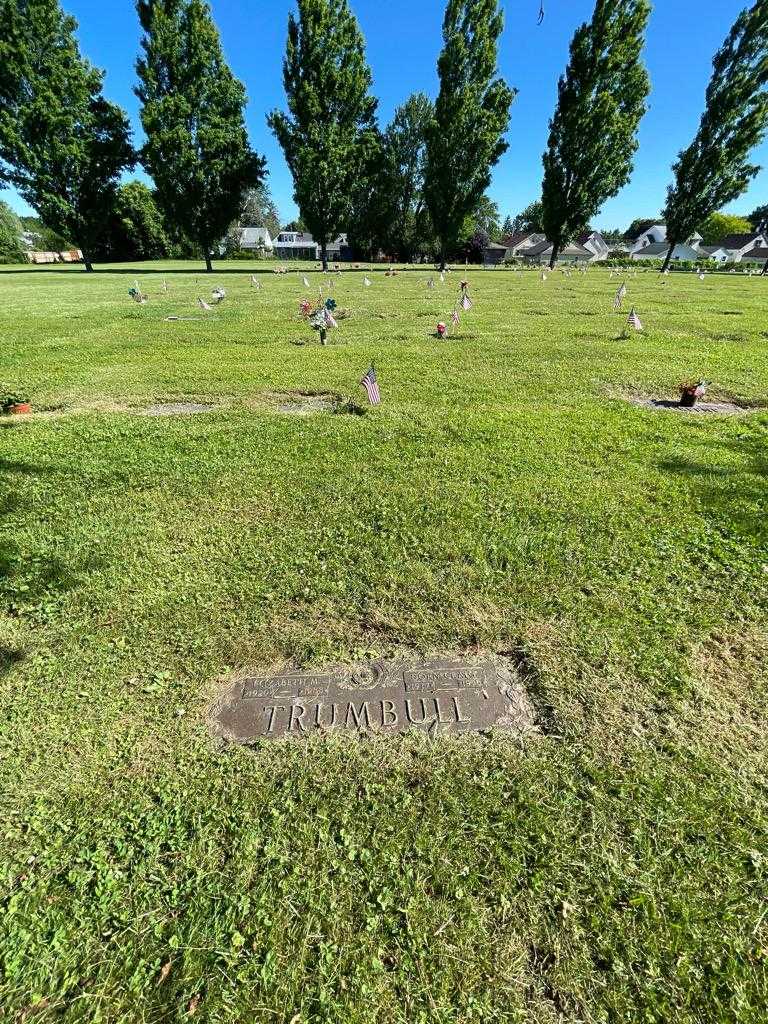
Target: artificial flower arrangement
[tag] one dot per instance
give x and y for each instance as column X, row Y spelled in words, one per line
column 691, row 391
column 319, row 317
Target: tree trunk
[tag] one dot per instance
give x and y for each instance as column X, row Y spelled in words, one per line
column 442, row 260
column 555, row 254
column 668, row 259
column 87, row 264
column 208, row 264
column 765, row 270
column 324, row 255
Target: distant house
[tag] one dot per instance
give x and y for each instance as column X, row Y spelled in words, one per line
column 652, row 234
column 714, row 252
column 737, row 246
column 520, row 242
column 256, row 240
column 756, row 257
column 542, row 253
column 295, row 245
column 494, row 254
column 658, row 251
column 339, row 250
column 300, row 245
column 595, row 243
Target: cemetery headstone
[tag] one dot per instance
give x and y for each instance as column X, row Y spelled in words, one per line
column 439, row 696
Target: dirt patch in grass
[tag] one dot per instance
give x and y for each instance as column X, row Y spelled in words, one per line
column 719, row 408
column 176, row 409
column 304, row 403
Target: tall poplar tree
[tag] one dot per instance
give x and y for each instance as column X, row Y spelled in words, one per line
column 197, row 149
column 329, row 133
column 400, row 192
column 715, row 169
column 62, row 145
column 593, row 134
column 465, row 136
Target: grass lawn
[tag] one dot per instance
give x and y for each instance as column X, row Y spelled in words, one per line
column 611, row 868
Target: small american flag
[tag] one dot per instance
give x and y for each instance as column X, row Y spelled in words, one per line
column 455, row 318
column 367, row 282
column 466, row 303
column 306, row 282
column 371, row 386
column 204, row 305
column 620, row 296
column 634, row 320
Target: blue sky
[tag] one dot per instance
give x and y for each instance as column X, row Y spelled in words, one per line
column 403, row 38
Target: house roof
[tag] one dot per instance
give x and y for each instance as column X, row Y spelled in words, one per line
column 518, row 237
column 586, row 235
column 646, row 225
column 254, row 236
column 760, row 252
column 568, row 250
column 739, row 241
column 711, row 249
column 495, row 246
column 655, row 249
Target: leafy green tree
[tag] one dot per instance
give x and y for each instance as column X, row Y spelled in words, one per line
column 508, row 226
column 373, row 204
column 593, row 134
column 715, row 168
column 407, row 225
column 465, row 137
column 718, row 225
column 329, row 132
column 486, row 218
column 759, row 218
column 295, row 225
column 62, row 144
column 197, row 149
column 135, row 229
column 612, row 236
column 11, row 248
column 530, row 219
column 260, row 211
column 45, row 238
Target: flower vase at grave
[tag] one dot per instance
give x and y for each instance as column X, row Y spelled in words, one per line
column 691, row 392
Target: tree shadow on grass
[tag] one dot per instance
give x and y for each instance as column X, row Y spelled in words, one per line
column 25, row 580
column 9, row 658
column 736, row 495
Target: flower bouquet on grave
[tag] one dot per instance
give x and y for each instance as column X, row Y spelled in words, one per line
column 321, row 320
column 441, row 330
column 691, row 391
column 137, row 295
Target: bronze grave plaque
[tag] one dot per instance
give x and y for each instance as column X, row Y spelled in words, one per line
column 437, row 695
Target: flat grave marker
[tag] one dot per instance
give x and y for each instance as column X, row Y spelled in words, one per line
column 439, row 695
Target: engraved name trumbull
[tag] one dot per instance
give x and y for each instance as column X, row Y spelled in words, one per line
column 438, row 695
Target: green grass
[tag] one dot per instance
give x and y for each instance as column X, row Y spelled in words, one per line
column 502, row 498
